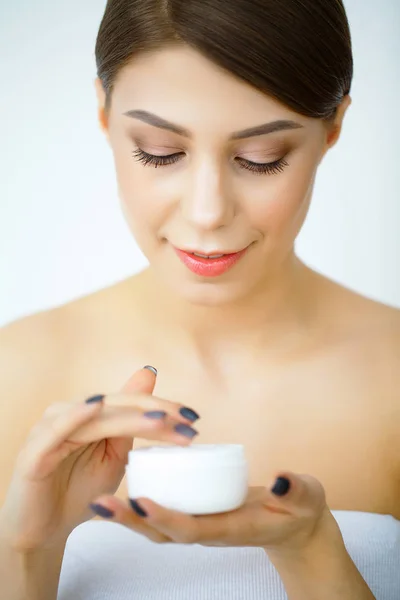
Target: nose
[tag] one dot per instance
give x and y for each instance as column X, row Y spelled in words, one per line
column 207, row 204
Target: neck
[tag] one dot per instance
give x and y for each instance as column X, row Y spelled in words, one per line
column 273, row 318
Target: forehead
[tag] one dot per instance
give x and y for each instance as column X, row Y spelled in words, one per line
column 181, row 85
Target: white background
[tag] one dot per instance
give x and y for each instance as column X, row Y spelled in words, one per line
column 62, row 234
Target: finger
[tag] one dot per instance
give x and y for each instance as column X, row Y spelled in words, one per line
column 143, row 380
column 114, row 509
column 255, row 494
column 130, row 422
column 179, row 527
column 146, row 403
column 296, row 493
column 48, row 435
column 113, row 403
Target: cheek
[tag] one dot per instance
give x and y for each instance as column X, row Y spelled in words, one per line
column 283, row 203
column 140, row 213
column 141, row 201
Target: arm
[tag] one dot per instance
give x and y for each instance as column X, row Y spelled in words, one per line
column 30, row 575
column 323, row 570
column 28, row 358
column 32, row 376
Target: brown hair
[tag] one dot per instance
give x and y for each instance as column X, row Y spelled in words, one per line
column 297, row 51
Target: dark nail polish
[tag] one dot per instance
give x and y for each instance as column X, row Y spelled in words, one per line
column 153, row 369
column 185, row 430
column 155, row 414
column 189, row 414
column 281, row 487
column 102, row 511
column 137, row 508
column 94, row 399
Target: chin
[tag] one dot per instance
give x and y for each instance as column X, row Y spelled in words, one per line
column 211, row 293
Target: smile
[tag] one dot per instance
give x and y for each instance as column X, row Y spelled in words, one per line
column 209, row 265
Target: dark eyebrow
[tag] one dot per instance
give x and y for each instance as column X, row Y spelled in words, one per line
column 156, row 121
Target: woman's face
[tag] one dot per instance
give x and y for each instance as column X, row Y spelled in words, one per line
column 222, row 189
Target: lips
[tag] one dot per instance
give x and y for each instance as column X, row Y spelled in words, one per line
column 209, row 267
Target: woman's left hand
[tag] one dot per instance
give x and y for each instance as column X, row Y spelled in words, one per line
column 290, row 519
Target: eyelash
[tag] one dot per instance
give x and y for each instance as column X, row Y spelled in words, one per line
column 257, row 168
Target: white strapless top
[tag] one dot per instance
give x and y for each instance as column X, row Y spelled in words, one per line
column 106, row 561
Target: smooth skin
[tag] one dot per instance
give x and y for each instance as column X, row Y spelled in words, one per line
column 301, row 370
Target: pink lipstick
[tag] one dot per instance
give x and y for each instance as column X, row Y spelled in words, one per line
column 209, row 267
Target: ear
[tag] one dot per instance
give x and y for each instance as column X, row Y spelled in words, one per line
column 101, row 113
column 334, row 127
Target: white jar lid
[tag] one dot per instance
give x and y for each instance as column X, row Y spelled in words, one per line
column 199, row 455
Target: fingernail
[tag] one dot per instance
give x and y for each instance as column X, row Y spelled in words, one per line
column 102, row 511
column 153, row 369
column 281, row 487
column 155, row 414
column 94, row 399
column 137, row 508
column 189, row 414
column 185, row 430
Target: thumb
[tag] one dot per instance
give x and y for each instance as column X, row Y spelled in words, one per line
column 143, row 380
column 296, row 493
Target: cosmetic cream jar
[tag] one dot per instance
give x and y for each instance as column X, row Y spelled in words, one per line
column 199, row 479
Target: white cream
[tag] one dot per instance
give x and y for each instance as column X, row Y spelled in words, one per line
column 199, row 479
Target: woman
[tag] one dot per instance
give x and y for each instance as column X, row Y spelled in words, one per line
column 218, row 114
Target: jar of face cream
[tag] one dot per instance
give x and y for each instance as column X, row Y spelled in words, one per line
column 199, row 479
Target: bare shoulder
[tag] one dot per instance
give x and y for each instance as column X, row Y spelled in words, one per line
column 357, row 316
column 383, row 336
column 37, row 349
column 380, row 335
column 371, row 331
column 364, row 334
column 32, row 372
column 29, row 346
column 53, row 349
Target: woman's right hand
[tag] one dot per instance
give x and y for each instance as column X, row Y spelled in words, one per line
column 78, row 451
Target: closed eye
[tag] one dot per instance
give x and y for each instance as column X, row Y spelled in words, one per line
column 270, row 168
